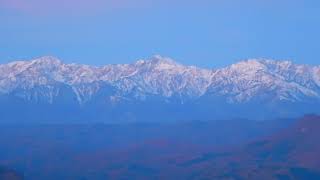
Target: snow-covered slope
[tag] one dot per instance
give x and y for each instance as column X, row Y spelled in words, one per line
column 47, row 79
column 158, row 76
column 274, row 80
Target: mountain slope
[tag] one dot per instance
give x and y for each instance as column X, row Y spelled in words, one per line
column 159, row 86
column 290, row 154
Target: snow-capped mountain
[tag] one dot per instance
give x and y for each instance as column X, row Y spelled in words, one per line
column 158, row 76
column 274, row 80
column 275, row 87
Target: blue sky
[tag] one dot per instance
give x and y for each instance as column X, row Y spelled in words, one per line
column 207, row 33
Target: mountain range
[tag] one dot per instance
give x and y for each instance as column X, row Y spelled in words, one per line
column 158, row 89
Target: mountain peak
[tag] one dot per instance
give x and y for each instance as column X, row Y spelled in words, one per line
column 265, row 61
column 258, row 64
column 248, row 65
column 49, row 60
column 158, row 62
column 157, row 59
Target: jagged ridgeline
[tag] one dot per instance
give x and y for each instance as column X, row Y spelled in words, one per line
column 158, row 89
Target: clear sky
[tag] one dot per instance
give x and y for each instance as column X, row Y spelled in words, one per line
column 207, row 33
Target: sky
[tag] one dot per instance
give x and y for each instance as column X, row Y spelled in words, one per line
column 206, row 33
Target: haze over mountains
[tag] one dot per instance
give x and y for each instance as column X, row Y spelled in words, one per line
column 158, row 89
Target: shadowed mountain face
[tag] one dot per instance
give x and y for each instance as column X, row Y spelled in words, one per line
column 159, row 89
column 281, row 149
column 292, row 153
column 120, row 151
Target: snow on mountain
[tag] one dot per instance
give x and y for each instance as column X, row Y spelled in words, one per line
column 163, row 77
column 282, row 80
